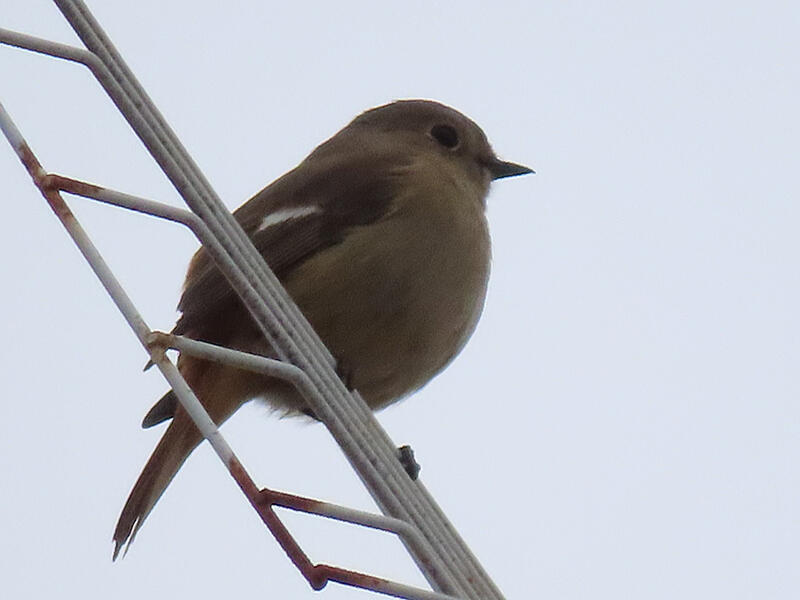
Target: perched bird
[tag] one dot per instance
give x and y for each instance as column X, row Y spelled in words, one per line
column 380, row 237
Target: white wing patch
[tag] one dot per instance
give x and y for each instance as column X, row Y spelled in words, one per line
column 286, row 214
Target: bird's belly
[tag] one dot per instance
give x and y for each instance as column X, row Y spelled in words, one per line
column 393, row 317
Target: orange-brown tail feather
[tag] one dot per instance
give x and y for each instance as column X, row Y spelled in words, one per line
column 178, row 441
column 222, row 390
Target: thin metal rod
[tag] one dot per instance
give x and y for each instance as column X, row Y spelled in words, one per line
column 378, row 584
column 50, row 48
column 338, row 512
column 123, row 200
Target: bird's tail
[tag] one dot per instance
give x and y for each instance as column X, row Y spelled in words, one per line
column 178, row 441
column 222, row 390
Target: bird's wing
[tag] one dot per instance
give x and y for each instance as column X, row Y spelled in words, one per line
column 307, row 210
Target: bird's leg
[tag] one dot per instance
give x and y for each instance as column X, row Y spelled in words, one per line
column 405, row 455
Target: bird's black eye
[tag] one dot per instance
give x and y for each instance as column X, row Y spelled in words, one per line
column 445, row 135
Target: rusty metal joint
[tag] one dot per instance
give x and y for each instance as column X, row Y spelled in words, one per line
column 317, row 577
column 157, row 344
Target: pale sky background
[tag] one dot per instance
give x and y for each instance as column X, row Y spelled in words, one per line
column 625, row 421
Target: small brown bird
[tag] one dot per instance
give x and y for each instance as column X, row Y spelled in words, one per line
column 380, row 238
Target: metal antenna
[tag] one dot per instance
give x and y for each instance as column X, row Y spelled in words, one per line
column 409, row 510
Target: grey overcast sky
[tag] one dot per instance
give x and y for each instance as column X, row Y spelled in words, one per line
column 625, row 421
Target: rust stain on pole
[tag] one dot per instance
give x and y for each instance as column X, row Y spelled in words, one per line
column 41, row 180
column 257, row 498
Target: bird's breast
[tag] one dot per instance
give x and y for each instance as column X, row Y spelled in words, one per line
column 397, row 300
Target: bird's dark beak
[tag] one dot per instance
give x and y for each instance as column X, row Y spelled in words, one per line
column 499, row 169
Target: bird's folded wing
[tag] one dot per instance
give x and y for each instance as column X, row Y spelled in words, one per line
column 297, row 216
